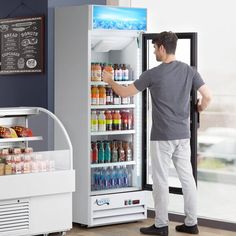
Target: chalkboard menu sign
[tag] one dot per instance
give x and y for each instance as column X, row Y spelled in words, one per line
column 21, row 45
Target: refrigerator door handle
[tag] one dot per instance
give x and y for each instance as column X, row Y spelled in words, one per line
column 198, row 115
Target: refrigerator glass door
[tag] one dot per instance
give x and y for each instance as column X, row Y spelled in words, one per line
column 185, row 52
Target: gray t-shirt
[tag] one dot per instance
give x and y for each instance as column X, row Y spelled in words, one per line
column 170, row 85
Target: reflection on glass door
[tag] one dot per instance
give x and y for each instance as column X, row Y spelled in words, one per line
column 184, row 53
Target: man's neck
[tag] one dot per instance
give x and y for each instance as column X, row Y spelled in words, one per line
column 169, row 58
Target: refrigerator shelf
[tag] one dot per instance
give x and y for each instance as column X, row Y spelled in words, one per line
column 21, row 139
column 93, row 107
column 103, row 83
column 115, row 190
column 123, row 163
column 113, row 132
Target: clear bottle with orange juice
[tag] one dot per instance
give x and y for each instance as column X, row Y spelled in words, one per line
column 94, row 95
column 110, row 69
column 102, row 95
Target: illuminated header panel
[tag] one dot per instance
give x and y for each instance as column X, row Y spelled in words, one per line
column 119, row 18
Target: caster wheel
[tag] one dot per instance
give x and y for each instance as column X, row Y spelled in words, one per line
column 63, row 233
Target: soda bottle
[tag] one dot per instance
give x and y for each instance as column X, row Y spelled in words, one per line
column 128, row 152
column 125, row 73
column 94, row 121
column 94, row 95
column 116, row 99
column 115, row 72
column 101, row 153
column 125, row 177
column 108, row 120
column 114, row 153
column 109, row 95
column 116, row 120
column 119, row 178
column 107, row 154
column 124, row 120
column 129, row 119
column 121, row 152
column 102, row 121
column 102, row 95
column 113, row 178
column 119, row 73
column 106, row 178
column 94, row 153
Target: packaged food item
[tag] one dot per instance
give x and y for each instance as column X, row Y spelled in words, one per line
column 8, row 169
column 6, row 132
column 23, row 131
column 2, row 166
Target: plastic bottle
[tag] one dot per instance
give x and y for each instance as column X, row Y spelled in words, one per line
column 129, row 176
column 121, row 152
column 124, row 120
column 114, row 153
column 119, row 178
column 125, row 177
column 101, row 153
column 92, row 72
column 109, row 95
column 97, row 72
column 125, row 73
column 116, row 120
column 94, row 153
column 102, row 121
column 113, row 178
column 107, row 154
column 119, row 73
column 128, row 152
column 109, row 69
column 94, row 95
column 116, row 99
column 102, row 95
column 108, row 120
column 115, row 72
column 94, row 121
column 130, row 119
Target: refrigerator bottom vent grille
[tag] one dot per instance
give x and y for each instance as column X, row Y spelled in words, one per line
column 118, row 215
column 14, row 216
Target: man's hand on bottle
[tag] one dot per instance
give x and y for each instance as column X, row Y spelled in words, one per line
column 106, row 77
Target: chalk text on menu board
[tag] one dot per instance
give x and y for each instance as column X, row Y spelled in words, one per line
column 21, row 45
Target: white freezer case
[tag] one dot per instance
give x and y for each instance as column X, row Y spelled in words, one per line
column 40, row 202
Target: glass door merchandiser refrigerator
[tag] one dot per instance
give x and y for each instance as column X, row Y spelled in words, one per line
column 110, row 135
column 105, row 129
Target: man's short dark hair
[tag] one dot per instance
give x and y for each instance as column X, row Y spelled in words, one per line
column 168, row 40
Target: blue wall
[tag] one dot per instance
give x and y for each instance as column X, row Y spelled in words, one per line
column 34, row 89
column 25, row 89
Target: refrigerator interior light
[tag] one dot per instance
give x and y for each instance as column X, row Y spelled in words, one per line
column 106, row 45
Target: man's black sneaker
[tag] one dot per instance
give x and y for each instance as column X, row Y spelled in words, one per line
column 187, row 229
column 153, row 230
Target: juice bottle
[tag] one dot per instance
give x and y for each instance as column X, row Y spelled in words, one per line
column 102, row 95
column 102, row 121
column 94, row 153
column 101, row 152
column 97, row 72
column 121, row 152
column 128, row 151
column 94, row 95
column 114, row 152
column 130, row 119
column 119, row 73
column 116, row 99
column 116, row 120
column 109, row 95
column 115, row 72
column 92, row 72
column 94, row 121
column 124, row 120
column 107, row 155
column 125, row 73
column 109, row 69
column 108, row 120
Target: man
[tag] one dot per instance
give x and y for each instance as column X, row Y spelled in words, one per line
column 170, row 85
